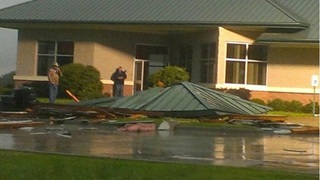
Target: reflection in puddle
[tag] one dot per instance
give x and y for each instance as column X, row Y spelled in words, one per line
column 208, row 147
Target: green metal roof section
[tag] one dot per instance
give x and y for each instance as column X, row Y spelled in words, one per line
column 201, row 12
column 186, row 97
column 307, row 10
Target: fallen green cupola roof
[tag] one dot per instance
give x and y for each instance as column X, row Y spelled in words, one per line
column 184, row 100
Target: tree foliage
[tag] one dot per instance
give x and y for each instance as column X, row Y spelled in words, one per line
column 168, row 76
column 81, row 80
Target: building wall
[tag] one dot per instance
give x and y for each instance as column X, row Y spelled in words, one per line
column 292, row 67
column 116, row 49
column 26, row 56
column 195, row 39
column 289, row 67
column 105, row 50
column 226, row 36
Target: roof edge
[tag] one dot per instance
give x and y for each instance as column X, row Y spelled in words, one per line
column 289, row 13
column 288, row 41
column 12, row 23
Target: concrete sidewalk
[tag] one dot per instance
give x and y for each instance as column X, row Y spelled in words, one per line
column 309, row 121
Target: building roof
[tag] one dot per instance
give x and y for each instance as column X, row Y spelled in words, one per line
column 307, row 10
column 284, row 14
column 183, row 100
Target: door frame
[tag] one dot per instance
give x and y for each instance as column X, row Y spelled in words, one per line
column 145, row 64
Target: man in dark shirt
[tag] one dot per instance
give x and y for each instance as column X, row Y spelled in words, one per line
column 118, row 78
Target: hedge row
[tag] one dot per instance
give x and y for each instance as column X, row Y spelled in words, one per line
column 289, row 106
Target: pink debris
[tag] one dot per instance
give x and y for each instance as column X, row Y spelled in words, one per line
column 139, row 127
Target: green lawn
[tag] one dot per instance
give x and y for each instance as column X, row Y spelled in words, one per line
column 290, row 114
column 58, row 101
column 22, row 165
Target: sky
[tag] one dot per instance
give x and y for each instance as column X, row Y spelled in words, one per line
column 8, row 42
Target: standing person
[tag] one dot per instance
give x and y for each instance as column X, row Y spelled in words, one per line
column 54, row 74
column 118, row 78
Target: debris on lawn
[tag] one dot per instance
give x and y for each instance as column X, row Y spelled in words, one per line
column 138, row 127
column 138, row 112
column 168, row 125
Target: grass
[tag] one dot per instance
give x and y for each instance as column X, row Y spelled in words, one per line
column 290, row 114
column 58, row 101
column 49, row 166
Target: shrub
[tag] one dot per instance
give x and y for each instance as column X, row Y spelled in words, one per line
column 293, row 106
column 81, row 80
column 6, row 80
column 241, row 92
column 277, row 104
column 168, row 76
column 258, row 101
column 308, row 108
column 41, row 88
column 5, row 91
column 289, row 106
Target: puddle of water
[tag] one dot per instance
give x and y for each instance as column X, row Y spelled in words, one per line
column 296, row 152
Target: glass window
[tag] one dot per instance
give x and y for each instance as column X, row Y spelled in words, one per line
column 257, row 52
column 246, row 64
column 206, row 75
column 51, row 51
column 144, row 51
column 186, row 54
column 65, row 48
column 235, row 72
column 256, row 73
column 236, row 51
column 46, row 47
column 208, row 55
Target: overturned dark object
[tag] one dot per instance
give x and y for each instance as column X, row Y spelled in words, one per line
column 20, row 99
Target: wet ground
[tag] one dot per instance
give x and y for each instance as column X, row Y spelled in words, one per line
column 184, row 144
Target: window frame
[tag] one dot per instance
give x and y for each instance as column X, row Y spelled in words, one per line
column 246, row 62
column 209, row 58
column 53, row 56
column 186, row 56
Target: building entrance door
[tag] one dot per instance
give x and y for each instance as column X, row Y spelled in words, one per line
column 148, row 59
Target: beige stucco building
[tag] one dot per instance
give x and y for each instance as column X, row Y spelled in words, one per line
column 273, row 53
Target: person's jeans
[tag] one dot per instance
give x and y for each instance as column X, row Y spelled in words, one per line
column 118, row 88
column 53, row 92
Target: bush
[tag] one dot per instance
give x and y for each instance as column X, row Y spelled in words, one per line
column 6, row 80
column 277, row 104
column 41, row 88
column 5, row 91
column 168, row 76
column 81, row 80
column 308, row 108
column 241, row 92
column 294, row 106
column 258, row 101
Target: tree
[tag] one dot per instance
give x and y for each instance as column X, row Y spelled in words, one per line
column 81, row 80
column 7, row 83
column 168, row 76
column 6, row 80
